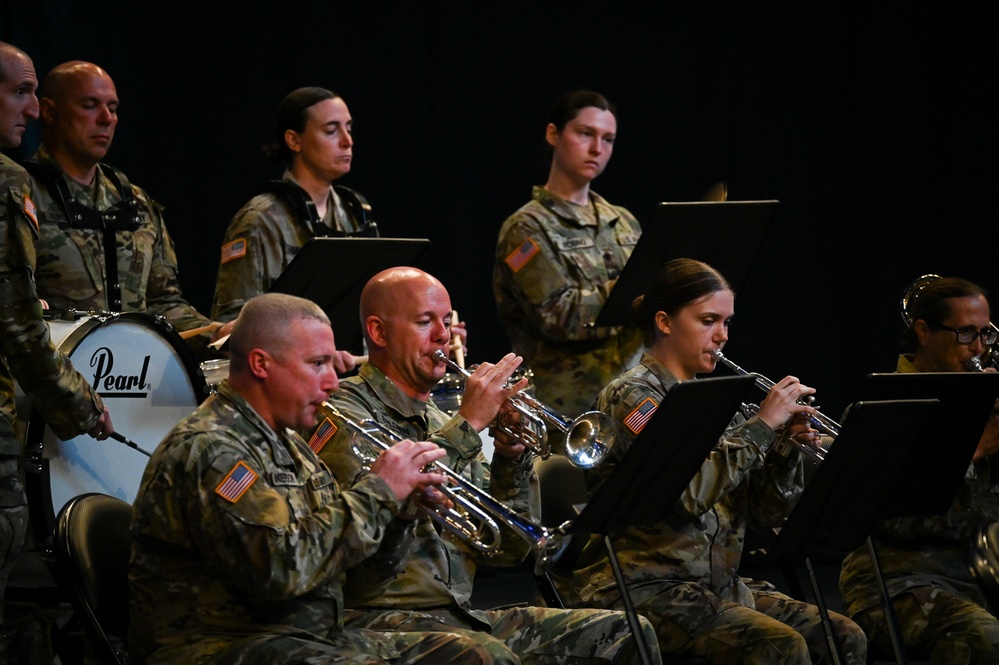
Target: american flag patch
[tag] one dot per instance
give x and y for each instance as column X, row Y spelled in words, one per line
column 323, row 433
column 234, row 485
column 30, row 212
column 233, row 250
column 637, row 419
column 522, row 255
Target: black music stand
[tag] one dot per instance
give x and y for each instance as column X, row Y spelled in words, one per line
column 331, row 272
column 727, row 235
column 660, row 464
column 928, row 476
column 844, row 498
column 966, row 401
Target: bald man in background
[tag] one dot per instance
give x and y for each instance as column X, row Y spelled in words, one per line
column 102, row 242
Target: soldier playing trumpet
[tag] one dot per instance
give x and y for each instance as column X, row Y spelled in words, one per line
column 406, row 316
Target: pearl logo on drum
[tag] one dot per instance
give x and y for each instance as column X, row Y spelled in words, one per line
column 117, row 385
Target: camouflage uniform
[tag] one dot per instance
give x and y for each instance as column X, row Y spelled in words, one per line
column 433, row 590
column 941, row 610
column 63, row 397
column 682, row 573
column 71, row 265
column 555, row 265
column 241, row 537
column 262, row 239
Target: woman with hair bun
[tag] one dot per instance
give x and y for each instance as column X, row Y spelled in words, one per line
column 312, row 137
column 558, row 257
column 682, row 572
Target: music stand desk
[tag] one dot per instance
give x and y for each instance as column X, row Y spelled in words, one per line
column 332, row 272
column 966, row 400
column 727, row 235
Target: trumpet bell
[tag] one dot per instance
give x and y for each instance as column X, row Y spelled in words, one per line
column 589, row 439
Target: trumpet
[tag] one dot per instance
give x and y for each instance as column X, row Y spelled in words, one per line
column 588, row 438
column 477, row 523
column 821, row 422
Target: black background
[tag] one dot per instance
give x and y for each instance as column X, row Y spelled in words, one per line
column 875, row 128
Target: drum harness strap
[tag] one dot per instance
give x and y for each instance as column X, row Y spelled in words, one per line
column 122, row 216
column 304, row 208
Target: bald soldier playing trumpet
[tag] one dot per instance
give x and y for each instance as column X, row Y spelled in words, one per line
column 406, row 317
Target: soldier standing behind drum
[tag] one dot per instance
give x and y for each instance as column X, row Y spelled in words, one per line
column 941, row 610
column 313, row 136
column 103, row 244
column 68, row 403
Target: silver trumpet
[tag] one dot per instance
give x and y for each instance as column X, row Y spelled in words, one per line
column 821, row 422
column 588, row 438
column 477, row 516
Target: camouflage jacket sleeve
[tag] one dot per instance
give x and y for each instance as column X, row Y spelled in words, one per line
column 552, row 276
column 58, row 391
column 163, row 294
column 260, row 242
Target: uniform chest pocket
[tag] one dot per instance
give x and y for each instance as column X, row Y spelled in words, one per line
column 136, row 250
column 306, row 495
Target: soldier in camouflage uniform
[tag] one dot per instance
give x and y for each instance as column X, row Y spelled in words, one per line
column 313, row 137
column 57, row 391
column 77, row 197
column 558, row 258
column 682, row 572
column 241, row 536
column 406, row 314
column 942, row 612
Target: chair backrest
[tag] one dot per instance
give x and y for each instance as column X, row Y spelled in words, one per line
column 92, row 545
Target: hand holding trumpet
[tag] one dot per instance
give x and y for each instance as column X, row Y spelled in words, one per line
column 486, row 390
column 404, row 466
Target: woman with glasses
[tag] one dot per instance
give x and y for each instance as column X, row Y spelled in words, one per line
column 942, row 612
column 682, row 572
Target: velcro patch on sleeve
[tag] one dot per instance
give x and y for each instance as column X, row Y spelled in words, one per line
column 521, row 256
column 234, row 250
column 322, row 435
column 637, row 419
column 236, row 482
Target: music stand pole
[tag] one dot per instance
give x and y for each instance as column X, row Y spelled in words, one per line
column 629, row 608
column 891, row 619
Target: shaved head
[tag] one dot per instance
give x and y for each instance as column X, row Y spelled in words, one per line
column 58, row 81
column 263, row 324
column 406, row 317
column 386, row 291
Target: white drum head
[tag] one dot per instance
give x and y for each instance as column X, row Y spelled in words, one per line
column 149, row 383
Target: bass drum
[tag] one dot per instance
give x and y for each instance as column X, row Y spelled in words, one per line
column 149, row 381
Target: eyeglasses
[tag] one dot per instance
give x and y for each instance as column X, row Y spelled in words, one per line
column 969, row 335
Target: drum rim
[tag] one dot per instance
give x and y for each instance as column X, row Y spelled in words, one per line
column 151, row 321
